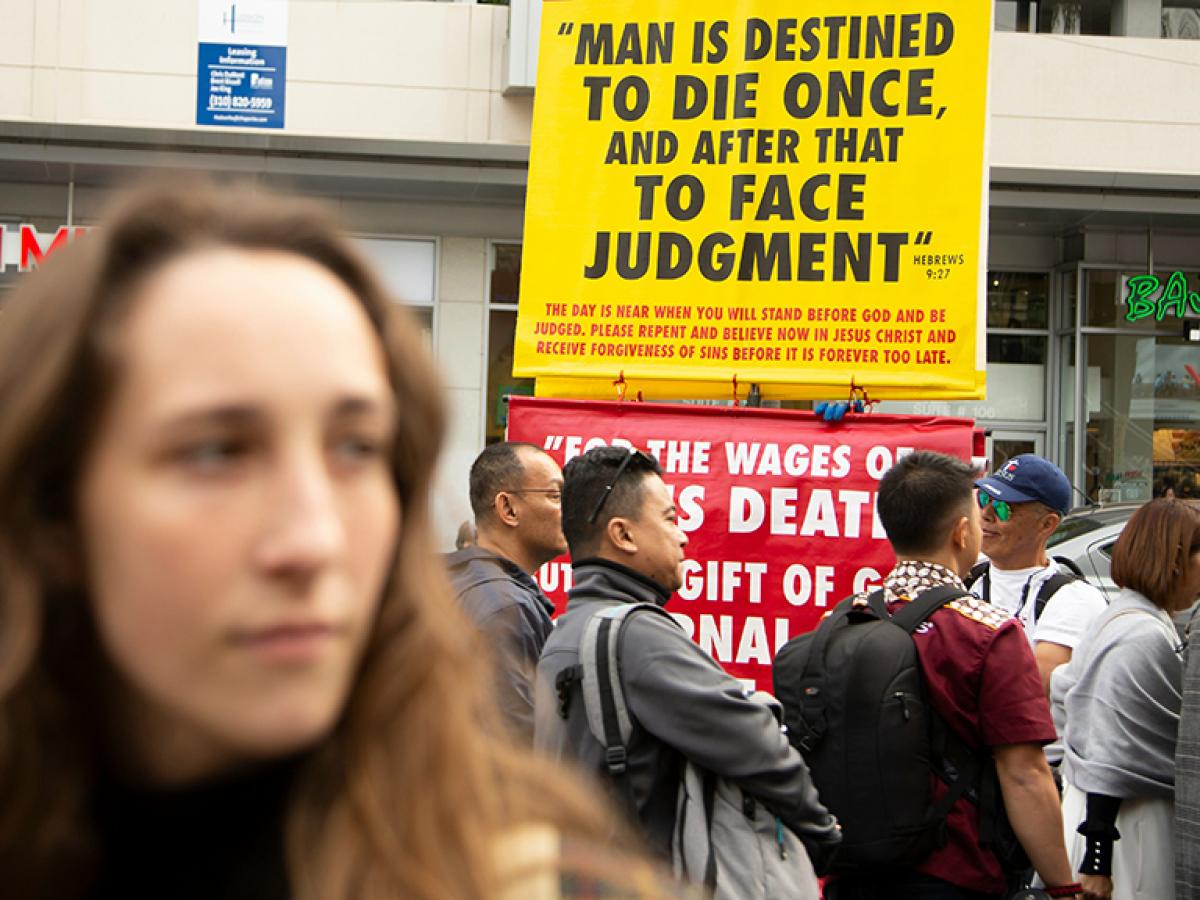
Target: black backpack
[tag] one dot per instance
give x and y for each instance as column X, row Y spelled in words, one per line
column 1048, row 589
column 856, row 708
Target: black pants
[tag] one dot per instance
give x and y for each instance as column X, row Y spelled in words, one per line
column 898, row 886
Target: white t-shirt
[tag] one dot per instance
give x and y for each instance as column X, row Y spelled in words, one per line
column 1067, row 615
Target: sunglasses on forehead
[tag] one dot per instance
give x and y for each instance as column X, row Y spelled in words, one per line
column 1001, row 507
column 629, row 457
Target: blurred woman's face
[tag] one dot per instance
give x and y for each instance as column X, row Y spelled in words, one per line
column 237, row 510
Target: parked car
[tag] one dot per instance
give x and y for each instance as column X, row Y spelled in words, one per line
column 1086, row 538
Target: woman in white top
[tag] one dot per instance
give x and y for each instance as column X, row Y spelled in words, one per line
column 1117, row 706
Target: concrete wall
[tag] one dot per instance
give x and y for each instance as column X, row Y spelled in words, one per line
column 1095, row 105
column 389, row 70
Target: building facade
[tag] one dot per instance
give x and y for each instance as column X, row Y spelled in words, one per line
column 413, row 119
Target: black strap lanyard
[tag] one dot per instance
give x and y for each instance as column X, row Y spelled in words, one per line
column 987, row 593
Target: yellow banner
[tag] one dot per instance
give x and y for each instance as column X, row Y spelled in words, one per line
column 792, row 194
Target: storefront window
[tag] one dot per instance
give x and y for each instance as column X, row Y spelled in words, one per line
column 1105, row 293
column 1017, row 349
column 502, row 327
column 1143, row 402
column 1018, row 299
column 1017, row 304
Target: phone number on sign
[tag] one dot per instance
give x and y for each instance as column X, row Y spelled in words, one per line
column 225, row 102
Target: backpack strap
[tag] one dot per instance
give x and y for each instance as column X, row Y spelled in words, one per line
column 1069, row 564
column 980, row 570
column 1059, row 579
column 925, row 605
column 1048, row 589
column 603, row 694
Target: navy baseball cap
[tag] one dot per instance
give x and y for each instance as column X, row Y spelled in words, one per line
column 1028, row 477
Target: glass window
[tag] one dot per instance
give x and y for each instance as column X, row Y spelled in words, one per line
column 1028, row 349
column 406, row 267
column 502, row 328
column 1005, row 448
column 1105, row 293
column 1018, row 300
column 1016, row 15
column 1180, row 23
column 1143, row 427
column 506, row 273
column 1074, row 17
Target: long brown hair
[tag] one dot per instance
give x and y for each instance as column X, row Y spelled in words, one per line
column 410, row 792
column 1155, row 549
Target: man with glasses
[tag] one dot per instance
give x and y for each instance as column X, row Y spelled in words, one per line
column 516, row 490
column 620, row 522
column 1021, row 505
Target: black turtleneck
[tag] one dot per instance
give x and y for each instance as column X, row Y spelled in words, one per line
column 219, row 839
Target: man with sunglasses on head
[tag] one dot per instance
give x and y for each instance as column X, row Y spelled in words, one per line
column 516, row 490
column 1021, row 504
column 620, row 521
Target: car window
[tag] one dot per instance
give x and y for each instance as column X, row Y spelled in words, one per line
column 1073, row 528
column 1107, row 549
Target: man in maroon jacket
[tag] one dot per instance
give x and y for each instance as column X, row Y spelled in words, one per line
column 981, row 679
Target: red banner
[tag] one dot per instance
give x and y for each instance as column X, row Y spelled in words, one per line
column 778, row 507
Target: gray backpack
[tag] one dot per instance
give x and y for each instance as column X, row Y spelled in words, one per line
column 723, row 838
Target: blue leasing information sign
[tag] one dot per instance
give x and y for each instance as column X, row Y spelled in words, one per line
column 241, row 74
column 241, row 85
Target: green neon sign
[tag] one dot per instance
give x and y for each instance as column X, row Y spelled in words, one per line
column 1148, row 297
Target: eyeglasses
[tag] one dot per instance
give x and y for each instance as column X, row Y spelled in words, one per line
column 616, row 477
column 554, row 495
column 1003, row 508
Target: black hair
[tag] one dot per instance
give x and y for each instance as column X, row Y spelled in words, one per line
column 919, row 499
column 498, row 468
column 587, row 479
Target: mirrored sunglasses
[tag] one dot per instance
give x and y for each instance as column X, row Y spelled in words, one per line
column 1002, row 508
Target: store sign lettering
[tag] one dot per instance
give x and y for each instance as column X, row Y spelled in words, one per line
column 25, row 248
column 1148, row 296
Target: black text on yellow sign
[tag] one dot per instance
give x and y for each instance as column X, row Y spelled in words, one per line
column 794, row 200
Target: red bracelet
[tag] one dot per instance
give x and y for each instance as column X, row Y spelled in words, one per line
column 1065, row 890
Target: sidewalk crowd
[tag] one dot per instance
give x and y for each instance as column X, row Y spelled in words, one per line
column 1054, row 716
column 232, row 664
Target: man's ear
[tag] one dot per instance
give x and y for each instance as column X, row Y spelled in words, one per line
column 958, row 534
column 1048, row 523
column 506, row 513
column 620, row 536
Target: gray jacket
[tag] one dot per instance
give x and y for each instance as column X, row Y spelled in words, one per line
column 684, row 706
column 1116, row 703
column 506, row 604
